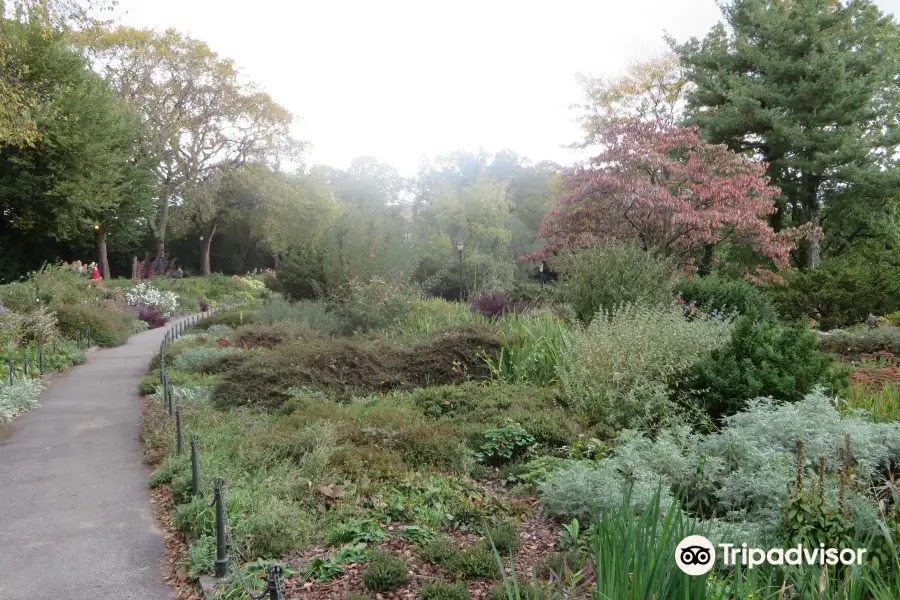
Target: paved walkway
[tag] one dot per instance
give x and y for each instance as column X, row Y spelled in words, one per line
column 75, row 523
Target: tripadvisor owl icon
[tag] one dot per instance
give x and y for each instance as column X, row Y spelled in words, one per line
column 695, row 555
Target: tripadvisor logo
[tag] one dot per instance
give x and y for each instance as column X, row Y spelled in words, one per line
column 696, row 555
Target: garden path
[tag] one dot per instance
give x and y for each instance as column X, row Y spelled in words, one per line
column 75, row 521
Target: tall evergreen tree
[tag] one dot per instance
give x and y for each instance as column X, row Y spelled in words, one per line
column 811, row 88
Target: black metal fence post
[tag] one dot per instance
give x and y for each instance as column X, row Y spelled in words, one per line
column 41, row 358
column 275, row 581
column 179, row 436
column 25, row 364
column 219, row 502
column 54, row 346
column 195, row 468
column 171, row 402
column 78, row 340
column 87, row 335
column 12, row 373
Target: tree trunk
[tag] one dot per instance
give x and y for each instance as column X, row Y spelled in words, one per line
column 102, row 258
column 706, row 261
column 815, row 245
column 207, row 243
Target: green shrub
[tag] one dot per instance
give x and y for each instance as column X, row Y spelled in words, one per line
column 475, row 562
column 376, row 304
column 437, row 590
column 386, row 572
column 108, row 328
column 730, row 296
column 605, row 277
column 840, row 291
column 194, row 360
column 617, row 371
column 201, row 556
column 760, row 359
column 311, row 314
column 300, row 275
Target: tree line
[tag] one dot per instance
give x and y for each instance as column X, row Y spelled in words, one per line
column 768, row 144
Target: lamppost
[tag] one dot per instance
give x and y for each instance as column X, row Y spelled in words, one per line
column 541, row 271
column 459, row 249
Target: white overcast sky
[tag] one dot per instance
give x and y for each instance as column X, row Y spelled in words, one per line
column 404, row 79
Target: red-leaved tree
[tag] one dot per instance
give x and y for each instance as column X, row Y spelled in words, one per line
column 673, row 193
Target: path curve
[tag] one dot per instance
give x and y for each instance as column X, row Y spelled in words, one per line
column 75, row 522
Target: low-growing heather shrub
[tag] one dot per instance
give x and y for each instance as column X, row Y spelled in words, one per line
column 503, row 536
column 851, row 345
column 194, row 360
column 731, row 297
column 386, row 572
column 438, row 552
column 618, row 371
column 219, row 331
column 270, row 336
column 351, row 367
column 138, row 326
column 18, row 398
column 108, row 328
column 438, row 590
column 475, row 562
column 762, row 359
column 232, row 317
column 602, row 278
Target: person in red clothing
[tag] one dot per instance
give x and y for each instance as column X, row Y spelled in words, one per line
column 95, row 272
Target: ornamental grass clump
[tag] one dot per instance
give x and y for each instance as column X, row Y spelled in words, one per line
column 618, row 372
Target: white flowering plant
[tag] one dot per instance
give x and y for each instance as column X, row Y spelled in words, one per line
column 144, row 294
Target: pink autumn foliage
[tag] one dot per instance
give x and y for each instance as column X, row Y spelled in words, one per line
column 666, row 188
